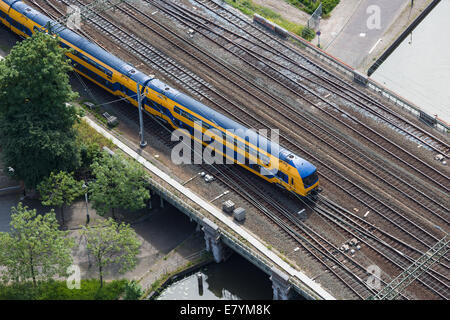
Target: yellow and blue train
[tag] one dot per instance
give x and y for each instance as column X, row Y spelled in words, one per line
column 179, row 110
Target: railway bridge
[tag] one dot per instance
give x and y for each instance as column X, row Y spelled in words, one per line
column 221, row 233
column 385, row 169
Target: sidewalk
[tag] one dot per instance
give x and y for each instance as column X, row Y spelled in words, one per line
column 159, row 231
column 362, row 32
column 360, row 41
column 332, row 27
column 403, row 20
column 189, row 251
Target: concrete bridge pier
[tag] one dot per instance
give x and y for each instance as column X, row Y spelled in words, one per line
column 280, row 284
column 213, row 242
column 161, row 203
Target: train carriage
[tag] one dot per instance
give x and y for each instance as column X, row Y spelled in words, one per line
column 179, row 110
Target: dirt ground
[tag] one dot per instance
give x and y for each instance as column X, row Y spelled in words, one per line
column 286, row 10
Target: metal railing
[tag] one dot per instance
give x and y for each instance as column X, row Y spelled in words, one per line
column 415, row 270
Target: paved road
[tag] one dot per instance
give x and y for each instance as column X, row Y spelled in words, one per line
column 362, row 32
column 6, row 202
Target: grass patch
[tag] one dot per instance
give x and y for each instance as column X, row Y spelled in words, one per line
column 90, row 136
column 248, row 8
column 310, row 6
column 57, row 290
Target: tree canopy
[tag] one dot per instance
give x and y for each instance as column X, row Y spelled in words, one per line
column 119, row 184
column 112, row 243
column 35, row 248
column 36, row 126
column 60, row 189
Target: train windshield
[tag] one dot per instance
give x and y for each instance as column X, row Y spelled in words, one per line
column 311, row 179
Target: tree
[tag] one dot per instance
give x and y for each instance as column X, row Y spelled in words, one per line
column 35, row 248
column 119, row 184
column 111, row 243
column 60, row 189
column 36, row 126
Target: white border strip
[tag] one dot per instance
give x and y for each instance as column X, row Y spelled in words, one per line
column 215, row 212
column 374, row 46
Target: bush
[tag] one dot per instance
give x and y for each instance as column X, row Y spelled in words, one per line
column 308, row 34
column 133, row 291
column 91, row 143
column 57, row 290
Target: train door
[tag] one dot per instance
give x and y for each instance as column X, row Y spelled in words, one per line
column 291, row 184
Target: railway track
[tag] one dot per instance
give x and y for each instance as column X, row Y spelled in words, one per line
column 444, row 208
column 195, row 84
column 423, row 169
column 352, row 274
column 285, row 54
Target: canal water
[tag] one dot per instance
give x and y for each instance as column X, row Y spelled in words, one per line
column 234, row 279
column 419, row 69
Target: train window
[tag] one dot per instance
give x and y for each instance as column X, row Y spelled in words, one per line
column 177, row 110
column 185, row 114
column 311, row 179
column 255, row 167
column 61, row 44
column 264, row 159
column 204, row 124
column 292, row 181
column 283, row 176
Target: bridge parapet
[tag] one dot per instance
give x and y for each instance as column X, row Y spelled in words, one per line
column 222, row 233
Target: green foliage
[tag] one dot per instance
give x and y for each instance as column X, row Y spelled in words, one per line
column 36, row 126
column 308, row 34
column 111, row 243
column 249, row 8
column 34, row 249
column 310, row 6
column 89, row 136
column 91, row 143
column 57, row 290
column 119, row 184
column 133, row 291
column 60, row 189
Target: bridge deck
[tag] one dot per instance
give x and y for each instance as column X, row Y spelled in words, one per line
column 216, row 213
